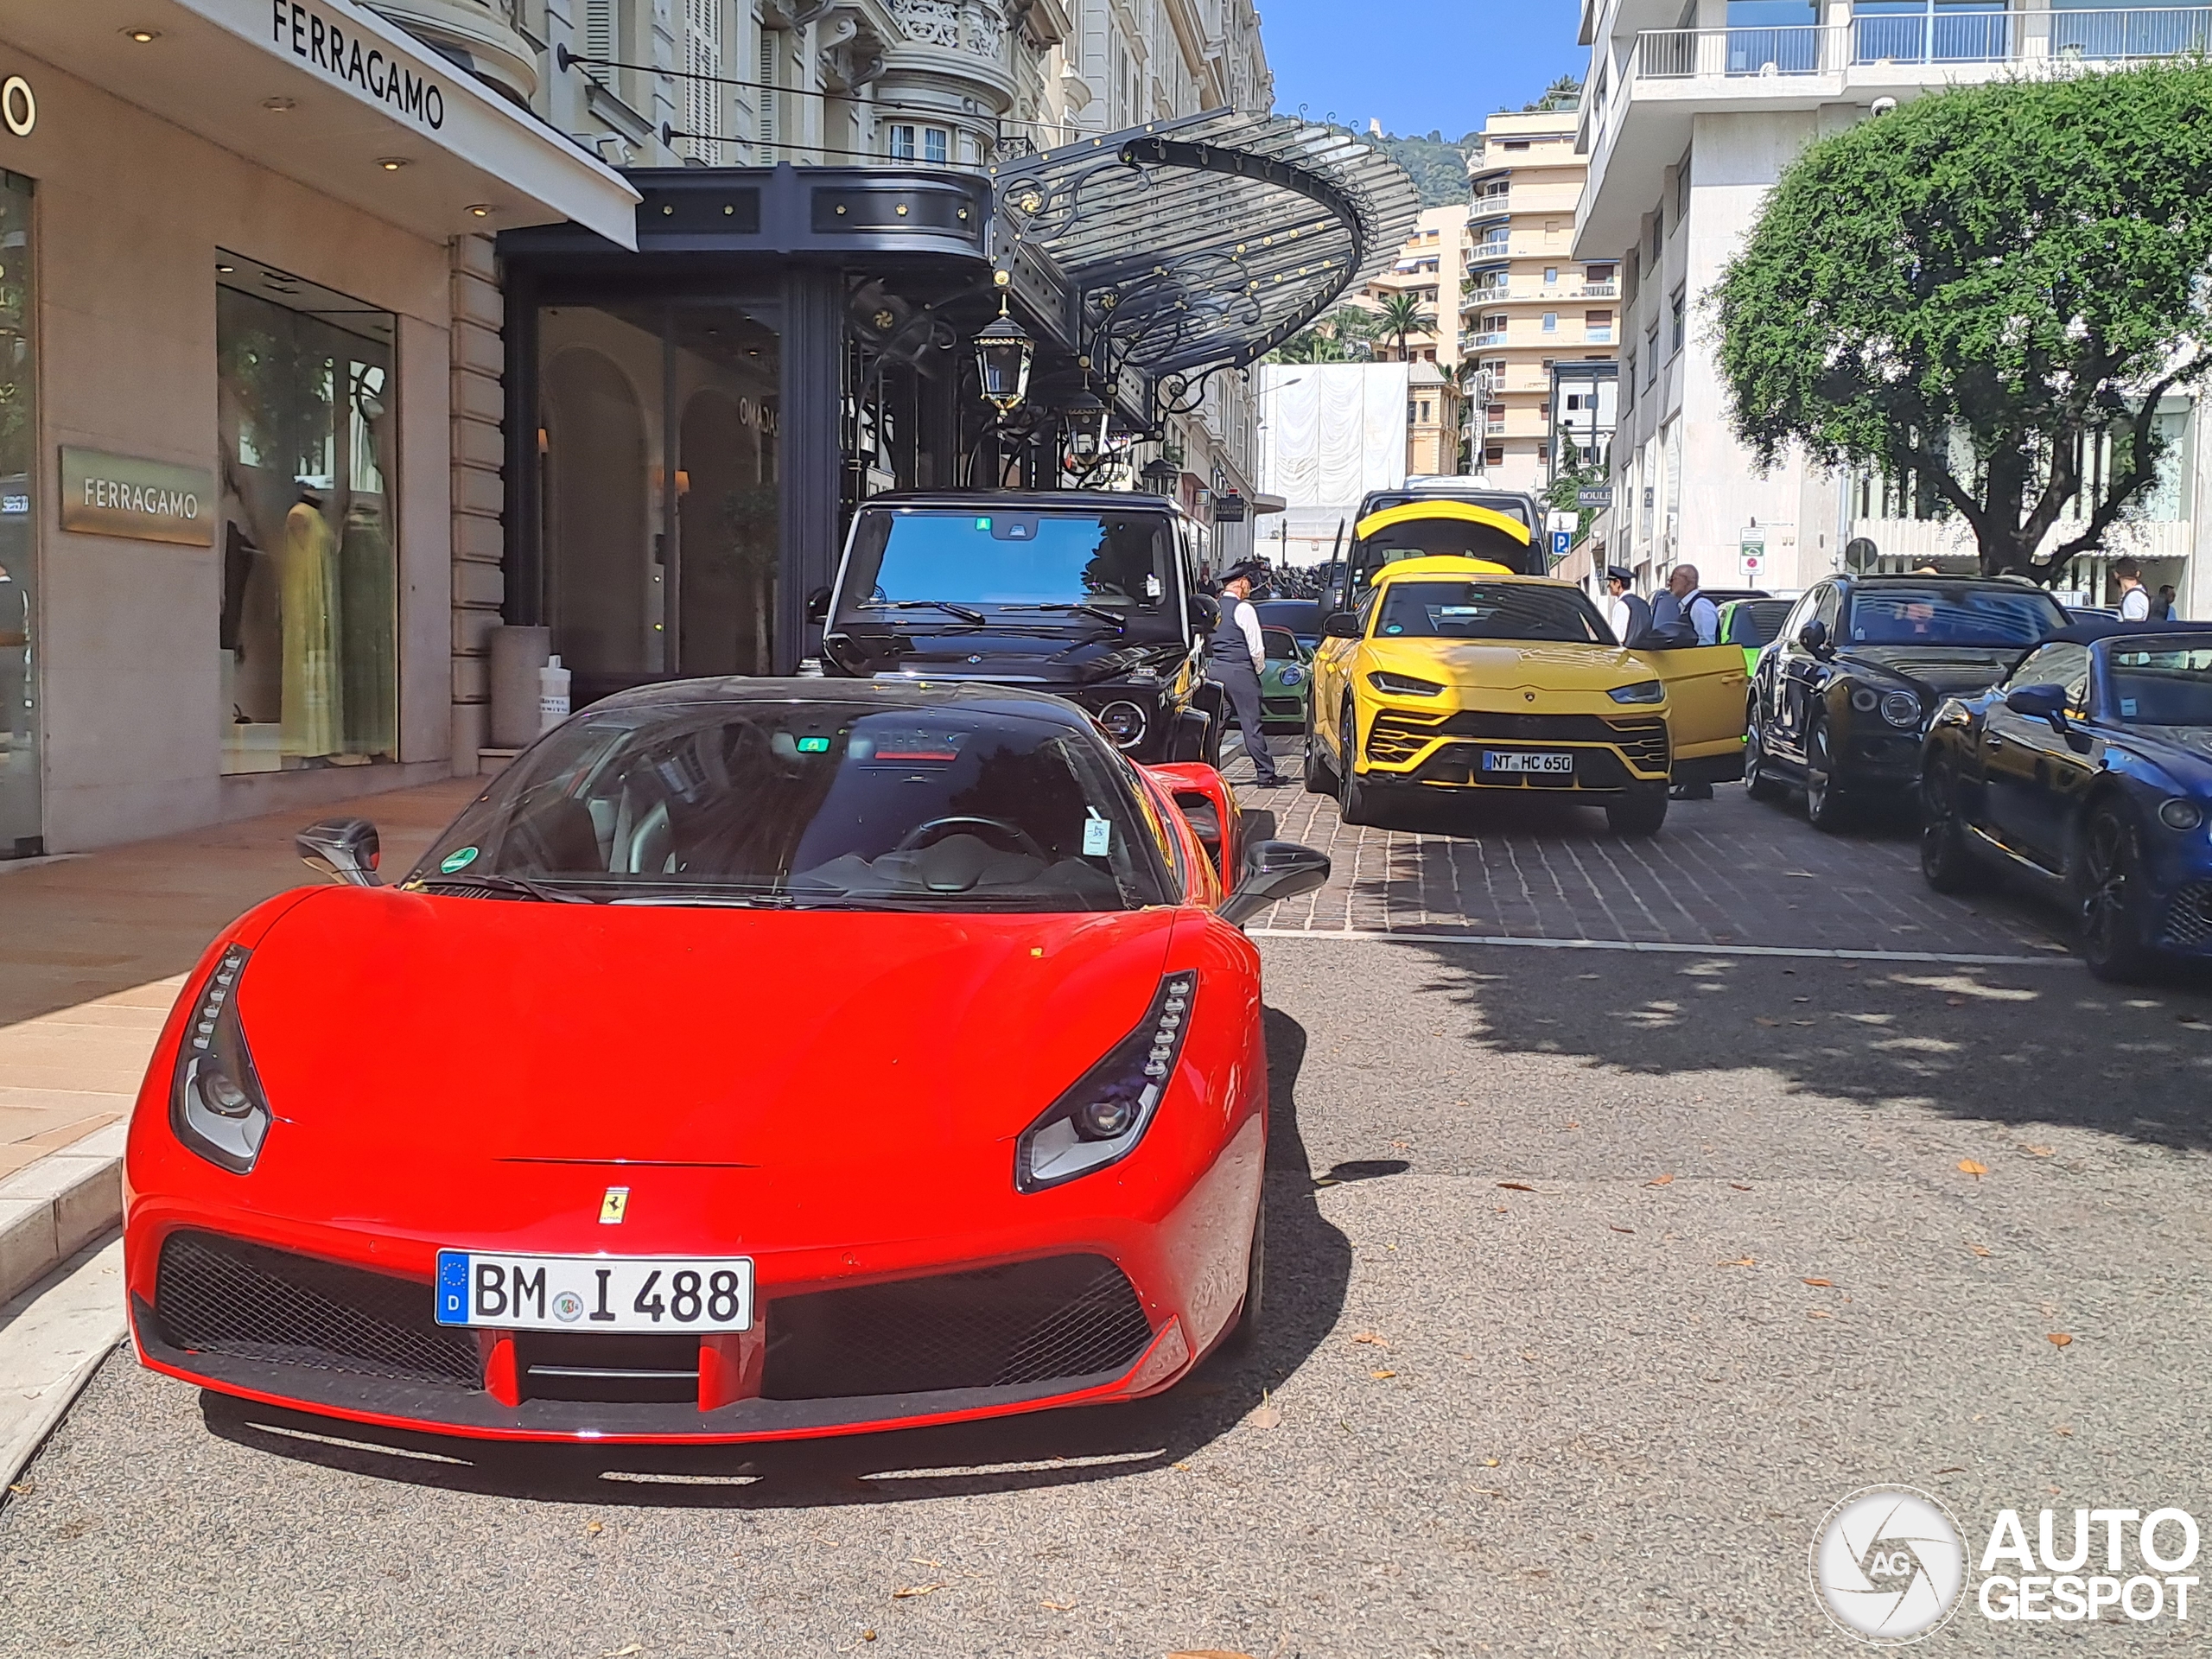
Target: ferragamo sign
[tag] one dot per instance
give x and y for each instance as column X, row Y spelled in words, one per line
column 333, row 48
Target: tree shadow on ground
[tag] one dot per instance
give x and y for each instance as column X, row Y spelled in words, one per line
column 1309, row 1268
column 2020, row 1046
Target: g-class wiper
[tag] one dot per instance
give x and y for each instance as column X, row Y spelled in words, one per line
column 518, row 884
column 1121, row 623
column 964, row 613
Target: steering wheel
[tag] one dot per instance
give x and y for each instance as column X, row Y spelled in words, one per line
column 1023, row 841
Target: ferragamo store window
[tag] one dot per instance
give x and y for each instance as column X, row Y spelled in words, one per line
column 306, row 388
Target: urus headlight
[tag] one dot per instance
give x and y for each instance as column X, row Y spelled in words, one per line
column 1099, row 1120
column 216, row 1105
column 1403, row 685
column 1642, row 691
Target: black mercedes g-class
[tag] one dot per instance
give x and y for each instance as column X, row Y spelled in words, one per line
column 1092, row 595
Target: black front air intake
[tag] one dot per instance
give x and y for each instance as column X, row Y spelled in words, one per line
column 216, row 1295
column 1065, row 1317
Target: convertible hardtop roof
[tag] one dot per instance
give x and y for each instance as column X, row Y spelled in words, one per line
column 2107, row 627
column 1026, row 500
column 976, row 697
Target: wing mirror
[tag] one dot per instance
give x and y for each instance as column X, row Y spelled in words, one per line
column 1272, row 871
column 1814, row 636
column 344, row 847
column 2044, row 702
column 817, row 606
column 1206, row 612
column 1341, row 625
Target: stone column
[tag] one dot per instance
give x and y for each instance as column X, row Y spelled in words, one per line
column 478, row 538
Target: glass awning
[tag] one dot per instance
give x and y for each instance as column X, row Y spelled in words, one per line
column 1205, row 242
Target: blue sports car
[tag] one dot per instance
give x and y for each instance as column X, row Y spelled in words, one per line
column 2088, row 769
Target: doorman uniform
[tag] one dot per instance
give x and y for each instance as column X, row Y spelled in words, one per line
column 1235, row 659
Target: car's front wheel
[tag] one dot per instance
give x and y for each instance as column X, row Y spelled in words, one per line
column 1320, row 778
column 1355, row 795
column 1759, row 781
column 1825, row 807
column 1256, row 1281
column 1946, row 860
column 2110, row 886
column 1640, row 811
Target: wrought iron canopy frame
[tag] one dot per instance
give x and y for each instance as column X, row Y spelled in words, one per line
column 1191, row 246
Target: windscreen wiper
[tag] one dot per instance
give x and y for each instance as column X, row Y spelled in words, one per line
column 1121, row 623
column 966, row 613
column 521, row 884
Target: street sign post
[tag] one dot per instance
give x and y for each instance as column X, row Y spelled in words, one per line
column 1752, row 556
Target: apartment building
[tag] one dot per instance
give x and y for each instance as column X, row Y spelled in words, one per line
column 1690, row 116
column 1432, row 268
column 1528, row 303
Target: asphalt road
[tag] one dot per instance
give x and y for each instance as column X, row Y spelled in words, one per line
column 1543, row 1373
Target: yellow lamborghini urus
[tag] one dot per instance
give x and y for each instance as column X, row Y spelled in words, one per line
column 1451, row 675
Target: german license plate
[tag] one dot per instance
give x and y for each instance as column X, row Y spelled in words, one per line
column 1504, row 760
column 594, row 1293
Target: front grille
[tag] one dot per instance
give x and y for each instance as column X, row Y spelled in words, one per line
column 1068, row 1316
column 1396, row 738
column 217, row 1296
column 638, row 1369
column 2188, row 917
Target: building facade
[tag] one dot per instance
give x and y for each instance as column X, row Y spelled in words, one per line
column 250, row 401
column 1527, row 302
column 1690, row 116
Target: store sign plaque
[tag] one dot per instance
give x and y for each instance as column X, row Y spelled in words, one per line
column 148, row 500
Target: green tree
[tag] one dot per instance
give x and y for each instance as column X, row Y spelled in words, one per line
column 1403, row 314
column 1982, row 292
column 1565, row 93
column 1564, row 494
column 1336, row 338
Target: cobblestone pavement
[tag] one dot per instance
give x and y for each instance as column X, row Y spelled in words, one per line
column 1730, row 871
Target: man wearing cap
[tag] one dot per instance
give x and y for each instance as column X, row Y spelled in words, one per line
column 1625, row 608
column 1235, row 659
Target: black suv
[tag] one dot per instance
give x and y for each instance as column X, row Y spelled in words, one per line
column 1091, row 595
column 1842, row 696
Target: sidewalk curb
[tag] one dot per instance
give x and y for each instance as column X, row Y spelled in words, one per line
column 51, row 1342
column 52, row 1209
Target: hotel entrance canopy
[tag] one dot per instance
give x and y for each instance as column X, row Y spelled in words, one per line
column 1185, row 246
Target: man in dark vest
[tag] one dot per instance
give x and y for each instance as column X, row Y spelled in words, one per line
column 1235, row 659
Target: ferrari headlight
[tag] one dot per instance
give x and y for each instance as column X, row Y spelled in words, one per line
column 1902, row 709
column 1403, row 685
column 216, row 1106
column 1642, row 691
column 1099, row 1120
column 2179, row 813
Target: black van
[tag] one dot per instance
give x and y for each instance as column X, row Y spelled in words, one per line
column 1090, row 594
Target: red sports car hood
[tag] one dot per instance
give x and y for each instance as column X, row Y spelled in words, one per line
column 387, row 1025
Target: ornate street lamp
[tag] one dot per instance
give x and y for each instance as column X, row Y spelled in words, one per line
column 1085, row 415
column 1161, row 476
column 1002, row 355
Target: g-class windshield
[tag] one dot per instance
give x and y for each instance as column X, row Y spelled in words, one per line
column 989, row 564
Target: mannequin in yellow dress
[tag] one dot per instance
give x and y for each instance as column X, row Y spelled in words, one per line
column 307, row 596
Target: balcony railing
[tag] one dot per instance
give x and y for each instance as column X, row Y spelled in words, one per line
column 1601, row 290
column 1941, row 38
column 1495, row 338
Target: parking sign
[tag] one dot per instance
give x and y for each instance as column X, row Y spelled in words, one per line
column 1562, row 543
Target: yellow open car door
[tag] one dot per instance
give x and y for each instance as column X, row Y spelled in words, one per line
column 1707, row 697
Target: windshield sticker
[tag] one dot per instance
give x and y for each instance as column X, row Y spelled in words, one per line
column 457, row 861
column 2128, row 707
column 814, row 746
column 1152, row 588
column 982, row 524
column 1098, row 835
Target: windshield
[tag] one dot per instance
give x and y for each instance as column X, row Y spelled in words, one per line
column 1122, row 563
column 2163, row 682
column 1487, row 610
column 835, row 805
column 1940, row 615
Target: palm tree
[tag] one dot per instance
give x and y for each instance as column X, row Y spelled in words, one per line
column 1401, row 313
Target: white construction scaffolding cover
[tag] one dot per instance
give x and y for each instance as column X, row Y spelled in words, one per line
column 1329, row 433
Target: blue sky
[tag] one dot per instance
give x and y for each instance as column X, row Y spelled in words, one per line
column 1417, row 64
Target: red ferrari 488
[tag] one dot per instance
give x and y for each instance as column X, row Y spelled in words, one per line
column 752, row 1058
